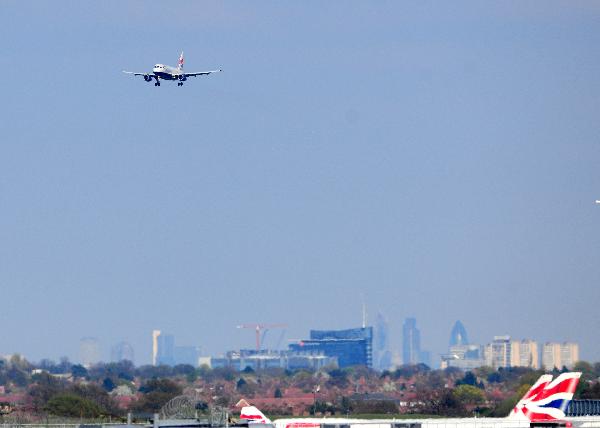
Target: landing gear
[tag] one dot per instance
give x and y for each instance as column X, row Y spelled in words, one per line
column 157, row 84
column 179, row 83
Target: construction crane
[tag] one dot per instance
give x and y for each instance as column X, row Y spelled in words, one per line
column 261, row 327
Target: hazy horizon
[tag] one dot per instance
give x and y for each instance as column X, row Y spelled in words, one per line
column 439, row 159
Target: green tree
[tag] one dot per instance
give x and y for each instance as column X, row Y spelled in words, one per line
column 97, row 395
column 589, row 391
column 70, row 405
column 240, row 383
column 45, row 387
column 108, row 384
column 17, row 376
column 584, row 367
column 183, row 370
column 245, row 388
column 224, row 373
column 468, row 379
column 166, row 386
column 204, row 372
column 192, row 376
column 337, row 378
column 504, row 407
column 441, row 402
column 468, row 394
column 78, row 371
column 346, row 405
column 157, row 392
column 18, row 362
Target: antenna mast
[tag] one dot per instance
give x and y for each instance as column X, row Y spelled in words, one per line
column 364, row 314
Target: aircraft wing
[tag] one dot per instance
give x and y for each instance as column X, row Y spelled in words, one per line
column 136, row 74
column 201, row 73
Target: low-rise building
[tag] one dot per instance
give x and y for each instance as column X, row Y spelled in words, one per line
column 271, row 359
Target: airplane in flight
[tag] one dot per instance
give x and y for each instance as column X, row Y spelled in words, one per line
column 166, row 72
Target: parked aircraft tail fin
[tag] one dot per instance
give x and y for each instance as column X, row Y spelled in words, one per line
column 253, row 415
column 547, row 399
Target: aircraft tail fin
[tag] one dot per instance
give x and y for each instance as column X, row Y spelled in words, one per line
column 180, row 63
column 253, row 415
column 518, row 411
column 547, row 399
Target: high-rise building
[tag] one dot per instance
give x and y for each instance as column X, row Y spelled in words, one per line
column 186, row 355
column 411, row 342
column 122, row 351
column 458, row 335
column 166, row 350
column 155, row 335
column 89, row 351
column 504, row 352
column 559, row 355
column 382, row 357
column 498, row 353
column 352, row 347
column 524, row 353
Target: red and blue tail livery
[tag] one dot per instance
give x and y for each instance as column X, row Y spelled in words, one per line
column 547, row 399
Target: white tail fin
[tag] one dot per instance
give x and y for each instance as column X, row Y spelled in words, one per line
column 253, row 415
column 180, row 63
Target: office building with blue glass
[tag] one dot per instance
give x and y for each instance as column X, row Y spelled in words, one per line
column 352, row 347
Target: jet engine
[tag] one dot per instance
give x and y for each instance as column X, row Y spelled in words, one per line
column 147, row 78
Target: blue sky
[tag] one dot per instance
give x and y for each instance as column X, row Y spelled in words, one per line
column 441, row 159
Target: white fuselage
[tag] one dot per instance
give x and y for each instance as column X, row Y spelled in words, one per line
column 576, row 422
column 167, row 72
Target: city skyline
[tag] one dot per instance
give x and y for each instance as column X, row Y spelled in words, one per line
column 163, row 350
column 434, row 160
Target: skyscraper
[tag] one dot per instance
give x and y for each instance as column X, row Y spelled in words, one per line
column 122, row 351
column 89, row 351
column 411, row 342
column 382, row 357
column 186, row 355
column 166, row 348
column 458, row 335
column 164, row 351
column 155, row 335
